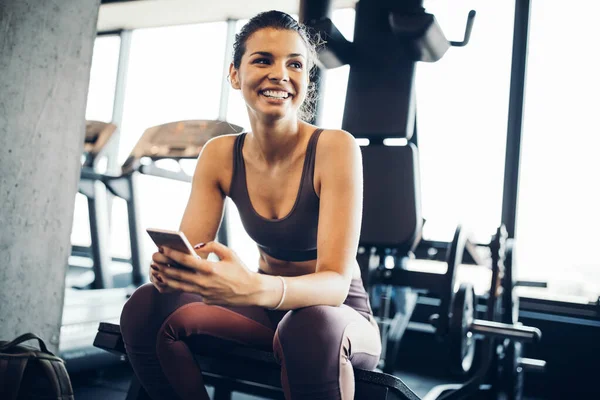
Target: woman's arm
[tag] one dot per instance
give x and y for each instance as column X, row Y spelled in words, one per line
column 229, row 281
column 339, row 163
column 204, row 209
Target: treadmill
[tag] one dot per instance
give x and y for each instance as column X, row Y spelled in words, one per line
column 84, row 309
column 87, row 263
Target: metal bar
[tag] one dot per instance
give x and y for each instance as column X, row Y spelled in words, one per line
column 100, row 237
column 115, row 32
column 138, row 272
column 532, row 364
column 119, row 101
column 534, row 284
column 414, row 279
column 515, row 115
column 114, row 1
column 222, row 233
column 112, row 150
column 153, row 170
column 559, row 309
column 506, row 331
column 225, row 87
column 88, row 174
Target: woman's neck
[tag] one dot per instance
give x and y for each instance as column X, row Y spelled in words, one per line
column 275, row 141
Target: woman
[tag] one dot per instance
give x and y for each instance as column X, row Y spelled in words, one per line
column 299, row 193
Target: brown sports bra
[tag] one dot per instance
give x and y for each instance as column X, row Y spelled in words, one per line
column 293, row 237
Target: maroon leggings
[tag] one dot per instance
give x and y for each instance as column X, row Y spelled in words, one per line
column 315, row 346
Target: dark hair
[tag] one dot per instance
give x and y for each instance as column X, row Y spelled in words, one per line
column 282, row 21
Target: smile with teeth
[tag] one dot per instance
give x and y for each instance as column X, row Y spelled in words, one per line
column 275, row 94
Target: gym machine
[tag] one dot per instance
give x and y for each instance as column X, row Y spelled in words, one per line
column 84, row 309
column 176, row 141
column 499, row 369
column 390, row 37
column 97, row 136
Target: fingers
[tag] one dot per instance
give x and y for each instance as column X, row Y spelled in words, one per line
column 158, row 282
column 190, row 261
column 160, row 258
column 222, row 251
column 183, row 286
column 165, row 275
column 155, row 277
column 179, row 274
column 168, row 279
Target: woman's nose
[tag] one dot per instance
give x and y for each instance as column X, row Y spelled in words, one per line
column 278, row 73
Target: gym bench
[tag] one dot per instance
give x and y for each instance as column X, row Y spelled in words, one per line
column 252, row 371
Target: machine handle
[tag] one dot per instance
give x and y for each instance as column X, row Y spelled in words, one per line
column 535, row 284
column 532, row 364
column 519, row 333
column 468, row 29
column 152, row 169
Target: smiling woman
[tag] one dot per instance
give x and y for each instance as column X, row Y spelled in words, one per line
column 298, row 189
column 284, row 34
column 280, row 56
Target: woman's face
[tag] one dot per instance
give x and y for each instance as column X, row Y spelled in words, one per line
column 273, row 73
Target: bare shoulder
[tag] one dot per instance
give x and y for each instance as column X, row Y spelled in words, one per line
column 338, row 158
column 219, row 146
column 216, row 160
column 336, row 143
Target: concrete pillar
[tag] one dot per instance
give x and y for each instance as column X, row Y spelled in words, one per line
column 45, row 58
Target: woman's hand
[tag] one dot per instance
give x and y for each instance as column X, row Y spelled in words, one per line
column 156, row 278
column 226, row 282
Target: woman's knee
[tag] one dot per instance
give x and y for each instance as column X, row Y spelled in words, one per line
column 136, row 317
column 309, row 331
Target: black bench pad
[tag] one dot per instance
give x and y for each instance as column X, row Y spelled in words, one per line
column 258, row 367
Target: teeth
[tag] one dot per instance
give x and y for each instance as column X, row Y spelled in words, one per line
column 276, row 93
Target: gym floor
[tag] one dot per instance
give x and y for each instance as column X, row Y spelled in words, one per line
column 113, row 383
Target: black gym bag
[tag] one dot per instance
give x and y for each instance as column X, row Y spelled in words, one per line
column 29, row 373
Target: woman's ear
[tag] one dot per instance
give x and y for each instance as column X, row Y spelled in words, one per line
column 234, row 77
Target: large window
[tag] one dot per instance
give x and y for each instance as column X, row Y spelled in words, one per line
column 103, row 78
column 236, row 107
column 336, row 80
column 558, row 219
column 101, row 93
column 462, row 110
column 174, row 74
column 238, row 239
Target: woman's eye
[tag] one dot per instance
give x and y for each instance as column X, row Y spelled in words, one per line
column 261, row 61
column 296, row 64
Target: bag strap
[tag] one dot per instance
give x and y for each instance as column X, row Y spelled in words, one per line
column 23, row 338
column 11, row 372
column 59, row 379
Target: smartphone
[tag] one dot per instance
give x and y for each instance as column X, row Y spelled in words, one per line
column 175, row 240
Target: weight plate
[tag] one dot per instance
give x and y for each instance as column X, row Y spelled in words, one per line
column 512, row 374
column 461, row 340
